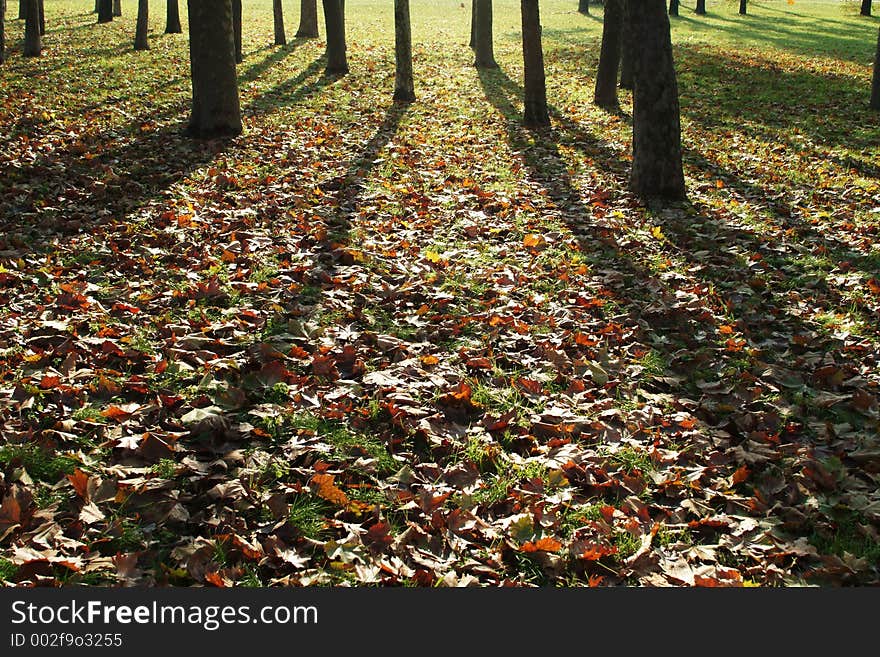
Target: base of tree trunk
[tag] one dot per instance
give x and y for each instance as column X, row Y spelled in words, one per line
column 404, row 96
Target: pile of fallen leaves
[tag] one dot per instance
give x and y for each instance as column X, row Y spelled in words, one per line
column 368, row 348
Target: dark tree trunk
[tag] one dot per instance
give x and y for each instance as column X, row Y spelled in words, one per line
column 334, row 24
column 236, row 30
column 534, row 84
column 97, row 2
column 308, row 19
column 117, row 7
column 22, row 9
column 33, row 44
column 215, row 106
column 866, row 8
column 584, row 7
column 673, row 7
column 700, row 8
column 143, row 25
column 743, row 6
column 278, row 16
column 41, row 10
column 626, row 53
column 656, row 166
column 105, row 11
column 172, row 18
column 2, row 31
column 875, row 82
column 609, row 56
column 485, row 53
column 473, row 42
column 404, row 88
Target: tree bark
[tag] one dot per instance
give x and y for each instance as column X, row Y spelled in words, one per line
column 141, row 41
column 626, row 52
column 2, row 31
column 743, row 6
column 334, row 24
column 278, row 18
column 105, row 11
column 404, row 88
column 875, row 81
column 534, row 84
column 97, row 2
column 215, row 105
column 473, row 42
column 117, row 7
column 172, row 18
column 485, row 53
column 22, row 10
column 656, row 166
column 700, row 8
column 673, row 7
column 41, row 11
column 33, row 43
column 605, row 94
column 584, row 7
column 308, row 19
column 866, row 8
column 236, row 30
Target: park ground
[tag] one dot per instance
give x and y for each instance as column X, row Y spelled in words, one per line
column 377, row 344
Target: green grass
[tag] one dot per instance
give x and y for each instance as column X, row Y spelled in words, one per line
column 40, row 464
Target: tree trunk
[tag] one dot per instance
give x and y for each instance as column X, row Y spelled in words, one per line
column 609, row 56
column 41, row 11
column 278, row 16
column 2, row 31
column 673, row 7
column 404, row 88
column 308, row 19
column 97, row 2
column 22, row 10
column 143, row 25
column 236, row 30
column 473, row 42
column 334, row 24
column 866, row 8
column 701, row 8
column 105, row 11
column 534, row 84
column 33, row 44
column 743, row 6
column 656, row 166
column 117, row 7
column 172, row 18
column 485, row 54
column 626, row 52
column 215, row 106
column 875, row 82
column 584, row 7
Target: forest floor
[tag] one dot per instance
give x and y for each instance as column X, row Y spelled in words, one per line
column 377, row 344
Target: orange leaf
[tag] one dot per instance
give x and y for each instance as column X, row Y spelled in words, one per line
column 80, row 481
column 740, row 475
column 546, row 544
column 323, row 487
column 48, row 382
column 725, row 329
column 533, row 240
column 429, row 360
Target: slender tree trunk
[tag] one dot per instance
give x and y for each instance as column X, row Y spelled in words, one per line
column 534, row 83
column 215, row 105
column 404, row 88
column 33, row 44
column 584, row 7
column 308, row 19
column 41, row 10
column 700, row 8
column 673, row 7
column 97, row 2
column 22, row 9
column 143, row 25
column 656, row 166
column 117, row 7
column 743, row 6
column 485, row 53
column 2, row 31
column 236, row 30
column 866, row 8
column 172, row 18
column 626, row 53
column 875, row 82
column 609, row 56
column 278, row 16
column 105, row 11
column 334, row 23
column 473, row 42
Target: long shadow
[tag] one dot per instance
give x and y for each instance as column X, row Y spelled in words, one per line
column 291, row 91
column 279, row 54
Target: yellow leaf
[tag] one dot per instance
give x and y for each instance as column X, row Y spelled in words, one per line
column 658, row 233
column 433, row 256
